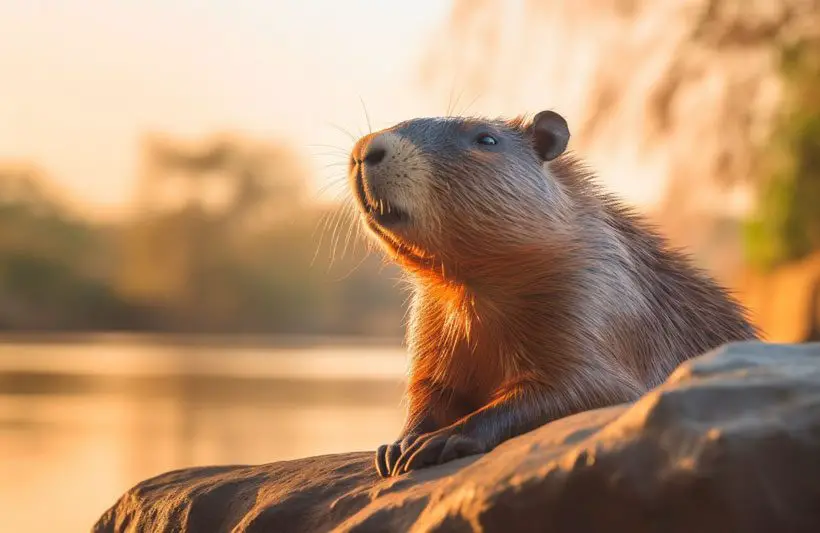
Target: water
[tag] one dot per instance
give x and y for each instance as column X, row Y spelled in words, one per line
column 82, row 420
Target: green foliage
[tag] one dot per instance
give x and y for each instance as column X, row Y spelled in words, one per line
column 786, row 226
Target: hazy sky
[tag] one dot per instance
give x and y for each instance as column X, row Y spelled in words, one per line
column 83, row 79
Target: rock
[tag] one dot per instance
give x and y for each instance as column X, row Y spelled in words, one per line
column 731, row 442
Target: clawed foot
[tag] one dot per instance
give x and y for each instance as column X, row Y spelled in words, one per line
column 419, row 451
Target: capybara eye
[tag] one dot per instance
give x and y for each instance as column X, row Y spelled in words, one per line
column 486, row 139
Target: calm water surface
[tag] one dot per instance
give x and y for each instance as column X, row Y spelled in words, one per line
column 82, row 420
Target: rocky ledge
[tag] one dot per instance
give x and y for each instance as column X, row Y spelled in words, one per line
column 731, row 442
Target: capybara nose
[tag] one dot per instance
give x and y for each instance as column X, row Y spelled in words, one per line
column 375, row 151
column 374, row 155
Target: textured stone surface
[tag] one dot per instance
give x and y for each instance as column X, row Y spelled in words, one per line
column 731, row 442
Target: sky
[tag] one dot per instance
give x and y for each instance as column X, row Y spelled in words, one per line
column 83, row 80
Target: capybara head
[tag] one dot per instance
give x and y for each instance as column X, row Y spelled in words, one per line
column 436, row 191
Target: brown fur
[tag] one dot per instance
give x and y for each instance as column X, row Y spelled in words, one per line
column 521, row 315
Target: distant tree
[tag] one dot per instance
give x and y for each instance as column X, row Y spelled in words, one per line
column 226, row 239
column 53, row 264
column 786, row 224
column 194, row 202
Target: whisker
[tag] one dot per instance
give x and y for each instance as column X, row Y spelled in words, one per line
column 450, row 97
column 334, row 238
column 353, row 223
column 473, row 101
column 322, row 222
column 335, row 164
column 350, row 231
column 328, row 220
column 332, row 146
column 366, row 115
column 458, row 98
column 333, row 183
column 354, row 268
column 342, row 130
column 347, row 213
column 331, row 154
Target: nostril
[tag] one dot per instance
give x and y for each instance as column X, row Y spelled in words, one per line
column 375, row 155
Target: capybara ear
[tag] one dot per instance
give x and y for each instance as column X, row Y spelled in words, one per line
column 550, row 134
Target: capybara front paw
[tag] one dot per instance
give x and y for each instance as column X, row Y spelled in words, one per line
column 436, row 448
column 388, row 454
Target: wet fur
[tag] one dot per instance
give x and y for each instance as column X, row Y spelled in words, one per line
column 553, row 301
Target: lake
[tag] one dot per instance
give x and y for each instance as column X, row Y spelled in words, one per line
column 82, row 419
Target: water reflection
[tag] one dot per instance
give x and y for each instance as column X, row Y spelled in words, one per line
column 83, row 420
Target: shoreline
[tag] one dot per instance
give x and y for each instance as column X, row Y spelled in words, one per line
column 201, row 339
